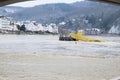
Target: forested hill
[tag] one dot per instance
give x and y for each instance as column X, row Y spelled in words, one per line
column 76, row 15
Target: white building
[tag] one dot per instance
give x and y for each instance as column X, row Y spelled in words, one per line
column 62, row 23
column 51, row 28
column 6, row 23
column 92, row 31
column 32, row 26
column 54, row 28
column 40, row 27
column 114, row 30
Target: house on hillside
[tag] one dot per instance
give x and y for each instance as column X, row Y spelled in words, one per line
column 7, row 24
column 114, row 30
column 33, row 26
column 92, row 31
column 52, row 28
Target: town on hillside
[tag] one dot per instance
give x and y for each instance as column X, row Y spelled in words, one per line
column 8, row 25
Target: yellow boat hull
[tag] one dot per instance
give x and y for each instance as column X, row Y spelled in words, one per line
column 79, row 36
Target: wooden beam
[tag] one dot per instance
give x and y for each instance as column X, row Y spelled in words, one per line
column 7, row 2
column 108, row 1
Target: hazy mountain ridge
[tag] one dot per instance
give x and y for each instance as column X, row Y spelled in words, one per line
column 44, row 13
column 6, row 10
column 78, row 15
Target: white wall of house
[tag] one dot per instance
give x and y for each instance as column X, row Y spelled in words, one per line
column 93, row 31
column 55, row 29
column 51, row 28
column 114, row 30
column 5, row 24
column 40, row 27
column 14, row 27
column 32, row 27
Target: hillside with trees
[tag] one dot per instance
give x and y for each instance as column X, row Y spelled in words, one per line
column 78, row 15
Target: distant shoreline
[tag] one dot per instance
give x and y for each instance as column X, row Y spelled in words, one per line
column 28, row 33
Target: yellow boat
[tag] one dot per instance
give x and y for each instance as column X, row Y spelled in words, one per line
column 79, row 36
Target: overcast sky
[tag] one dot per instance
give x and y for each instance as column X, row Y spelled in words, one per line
column 39, row 2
